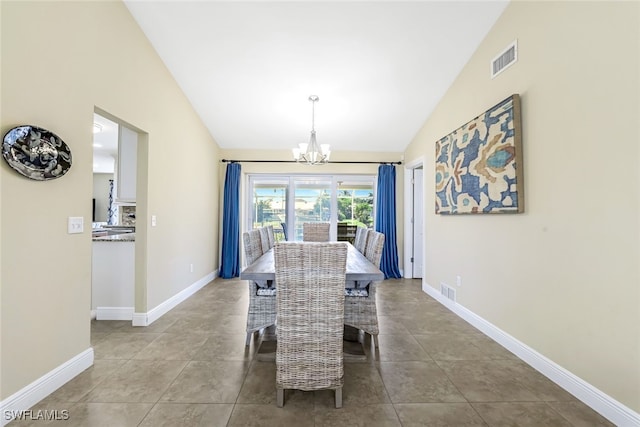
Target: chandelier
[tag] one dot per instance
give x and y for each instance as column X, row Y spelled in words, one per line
column 312, row 153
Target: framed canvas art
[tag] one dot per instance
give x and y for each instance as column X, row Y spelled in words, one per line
column 479, row 165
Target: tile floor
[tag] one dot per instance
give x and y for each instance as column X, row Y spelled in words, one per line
column 191, row 368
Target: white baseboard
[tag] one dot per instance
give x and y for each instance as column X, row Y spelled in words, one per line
column 114, row 313
column 44, row 386
column 145, row 319
column 139, row 319
column 605, row 405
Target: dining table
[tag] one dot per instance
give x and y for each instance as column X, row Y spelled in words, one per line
column 358, row 270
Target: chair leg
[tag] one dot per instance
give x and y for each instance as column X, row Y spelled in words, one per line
column 249, row 335
column 280, row 397
column 339, row 398
column 375, row 340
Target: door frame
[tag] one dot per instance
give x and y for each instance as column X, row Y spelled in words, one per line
column 408, row 215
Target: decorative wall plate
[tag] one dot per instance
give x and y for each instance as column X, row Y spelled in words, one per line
column 36, row 153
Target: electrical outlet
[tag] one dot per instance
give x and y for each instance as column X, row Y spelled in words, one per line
column 191, row 268
column 458, row 281
column 154, row 220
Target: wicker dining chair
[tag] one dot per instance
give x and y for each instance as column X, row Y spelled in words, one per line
column 373, row 251
column 271, row 235
column 262, row 300
column 264, row 239
column 360, row 242
column 360, row 309
column 310, row 320
column 315, row 232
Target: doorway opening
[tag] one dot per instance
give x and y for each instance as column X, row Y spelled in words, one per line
column 117, row 246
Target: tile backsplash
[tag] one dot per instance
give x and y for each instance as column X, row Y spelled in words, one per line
column 128, row 215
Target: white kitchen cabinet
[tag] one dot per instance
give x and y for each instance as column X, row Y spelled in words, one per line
column 113, row 279
column 127, row 166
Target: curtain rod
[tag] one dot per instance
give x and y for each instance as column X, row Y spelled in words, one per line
column 293, row 161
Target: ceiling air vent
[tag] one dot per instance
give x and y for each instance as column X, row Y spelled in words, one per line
column 505, row 59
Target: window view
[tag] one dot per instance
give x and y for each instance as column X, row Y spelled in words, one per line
column 270, row 207
column 287, row 202
column 355, row 208
column 312, row 204
column 355, row 204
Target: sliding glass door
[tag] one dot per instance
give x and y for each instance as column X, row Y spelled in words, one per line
column 312, row 203
column 286, row 202
column 355, row 207
column 269, row 205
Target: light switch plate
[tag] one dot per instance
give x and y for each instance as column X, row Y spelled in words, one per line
column 75, row 225
column 153, row 220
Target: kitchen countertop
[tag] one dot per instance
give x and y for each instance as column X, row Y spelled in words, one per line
column 125, row 237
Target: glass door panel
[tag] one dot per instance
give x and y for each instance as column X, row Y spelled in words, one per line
column 312, row 204
column 355, row 208
column 269, row 206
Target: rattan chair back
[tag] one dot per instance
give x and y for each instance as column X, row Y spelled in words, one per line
column 264, row 239
column 315, row 231
column 373, row 251
column 272, row 237
column 310, row 316
column 360, row 242
column 252, row 246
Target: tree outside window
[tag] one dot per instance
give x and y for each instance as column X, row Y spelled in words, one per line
column 355, row 207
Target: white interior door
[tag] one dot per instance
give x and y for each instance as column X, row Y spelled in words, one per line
column 418, row 222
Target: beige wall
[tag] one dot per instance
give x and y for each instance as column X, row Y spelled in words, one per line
column 329, row 169
column 563, row 277
column 76, row 56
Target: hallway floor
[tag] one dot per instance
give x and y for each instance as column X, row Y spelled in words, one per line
column 191, row 368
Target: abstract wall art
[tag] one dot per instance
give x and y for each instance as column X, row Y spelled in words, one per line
column 479, row 165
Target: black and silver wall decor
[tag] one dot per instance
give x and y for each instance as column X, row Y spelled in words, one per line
column 36, row 153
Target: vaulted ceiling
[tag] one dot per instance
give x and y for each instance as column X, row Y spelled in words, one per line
column 379, row 68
